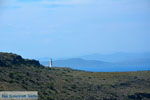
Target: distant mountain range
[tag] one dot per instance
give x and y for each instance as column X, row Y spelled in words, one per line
column 106, row 63
column 117, row 57
column 99, row 66
column 78, row 62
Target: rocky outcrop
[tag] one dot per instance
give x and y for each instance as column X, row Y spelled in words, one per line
column 10, row 59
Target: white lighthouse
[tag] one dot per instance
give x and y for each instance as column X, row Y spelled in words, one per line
column 50, row 63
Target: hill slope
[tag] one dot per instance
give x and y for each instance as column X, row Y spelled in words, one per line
column 68, row 84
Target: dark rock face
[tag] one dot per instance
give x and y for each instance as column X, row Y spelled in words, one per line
column 139, row 96
column 32, row 62
column 9, row 59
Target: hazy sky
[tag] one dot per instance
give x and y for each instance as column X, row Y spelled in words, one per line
column 63, row 28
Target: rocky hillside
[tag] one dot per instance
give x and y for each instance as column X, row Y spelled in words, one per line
column 9, row 60
column 19, row 74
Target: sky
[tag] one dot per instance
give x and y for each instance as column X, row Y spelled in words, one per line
column 67, row 28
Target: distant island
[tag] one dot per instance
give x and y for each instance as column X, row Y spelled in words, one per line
column 19, row 74
column 115, row 62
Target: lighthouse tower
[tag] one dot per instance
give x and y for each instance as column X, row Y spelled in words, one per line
column 50, row 63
